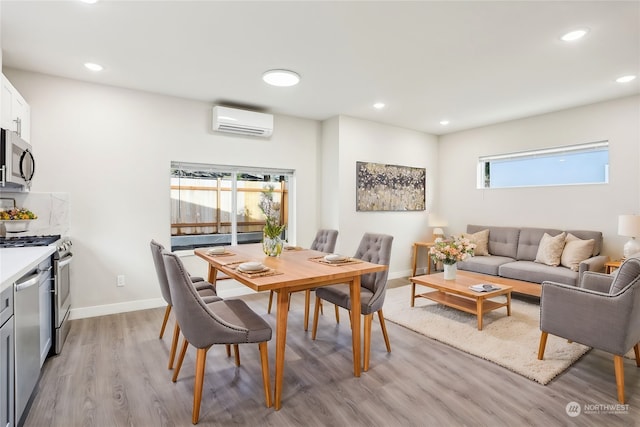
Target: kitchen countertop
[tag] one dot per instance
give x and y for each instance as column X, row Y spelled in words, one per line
column 16, row 262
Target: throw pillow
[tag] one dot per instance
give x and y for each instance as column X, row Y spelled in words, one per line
column 481, row 239
column 575, row 251
column 550, row 249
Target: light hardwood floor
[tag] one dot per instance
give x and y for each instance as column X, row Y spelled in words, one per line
column 113, row 372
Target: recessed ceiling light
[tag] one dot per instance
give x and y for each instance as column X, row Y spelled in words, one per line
column 89, row 1
column 444, row 122
column 379, row 105
column 625, row 79
column 281, row 78
column 574, row 35
column 93, row 67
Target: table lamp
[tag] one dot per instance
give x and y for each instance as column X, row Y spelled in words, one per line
column 629, row 226
column 438, row 233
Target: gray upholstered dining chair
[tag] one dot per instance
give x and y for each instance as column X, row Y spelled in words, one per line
column 375, row 248
column 603, row 312
column 218, row 322
column 325, row 241
column 205, row 289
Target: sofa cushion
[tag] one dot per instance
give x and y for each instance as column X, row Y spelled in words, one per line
column 550, row 249
column 484, row 264
column 503, row 241
column 529, row 241
column 481, row 240
column 535, row 272
column 586, row 235
column 575, row 251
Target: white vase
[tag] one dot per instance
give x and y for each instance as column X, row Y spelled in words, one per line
column 450, row 271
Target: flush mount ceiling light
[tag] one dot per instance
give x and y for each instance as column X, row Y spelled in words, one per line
column 444, row 122
column 379, row 105
column 574, row 35
column 93, row 67
column 282, row 78
column 625, row 79
column 89, row 1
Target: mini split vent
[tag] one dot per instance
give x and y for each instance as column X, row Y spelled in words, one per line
column 242, row 122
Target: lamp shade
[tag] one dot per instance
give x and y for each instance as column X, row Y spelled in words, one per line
column 629, row 225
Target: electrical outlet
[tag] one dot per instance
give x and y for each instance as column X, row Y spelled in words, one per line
column 120, row 280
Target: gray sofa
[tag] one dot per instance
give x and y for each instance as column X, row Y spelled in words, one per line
column 513, row 252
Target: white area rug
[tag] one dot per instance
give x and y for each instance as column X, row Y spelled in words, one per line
column 509, row 341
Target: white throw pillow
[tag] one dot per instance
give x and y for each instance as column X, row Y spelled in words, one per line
column 481, row 239
column 550, row 249
column 575, row 251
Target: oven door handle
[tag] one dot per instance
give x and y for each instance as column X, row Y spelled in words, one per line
column 65, row 261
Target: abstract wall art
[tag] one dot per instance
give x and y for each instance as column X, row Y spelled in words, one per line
column 381, row 187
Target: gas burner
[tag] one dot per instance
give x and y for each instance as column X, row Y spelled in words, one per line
column 27, row 241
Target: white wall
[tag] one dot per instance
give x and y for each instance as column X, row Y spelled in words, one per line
column 589, row 207
column 361, row 140
column 110, row 149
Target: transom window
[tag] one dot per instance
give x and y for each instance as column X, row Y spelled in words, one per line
column 567, row 165
column 219, row 205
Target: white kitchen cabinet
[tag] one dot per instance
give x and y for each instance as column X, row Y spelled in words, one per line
column 16, row 113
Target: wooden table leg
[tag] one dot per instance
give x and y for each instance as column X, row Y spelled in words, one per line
column 508, row 303
column 213, row 272
column 413, row 293
column 479, row 311
column 281, row 342
column 355, row 324
column 415, row 259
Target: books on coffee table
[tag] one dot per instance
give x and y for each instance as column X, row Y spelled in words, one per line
column 484, row 287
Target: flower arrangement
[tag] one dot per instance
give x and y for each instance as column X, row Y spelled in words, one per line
column 17, row 214
column 271, row 211
column 449, row 251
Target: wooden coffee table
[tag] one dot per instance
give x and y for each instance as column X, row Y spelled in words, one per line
column 456, row 293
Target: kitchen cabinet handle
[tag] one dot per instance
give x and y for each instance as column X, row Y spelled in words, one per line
column 3, row 175
column 18, row 121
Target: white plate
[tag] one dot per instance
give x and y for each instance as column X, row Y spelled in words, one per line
column 216, row 251
column 334, row 258
column 251, row 266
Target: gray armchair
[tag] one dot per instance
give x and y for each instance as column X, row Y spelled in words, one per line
column 375, row 248
column 603, row 313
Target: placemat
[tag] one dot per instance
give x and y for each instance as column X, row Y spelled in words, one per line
column 347, row 261
column 226, row 253
column 269, row 272
column 294, row 248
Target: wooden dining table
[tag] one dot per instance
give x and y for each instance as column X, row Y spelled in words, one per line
column 294, row 270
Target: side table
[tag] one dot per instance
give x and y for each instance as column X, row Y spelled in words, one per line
column 416, row 246
column 610, row 266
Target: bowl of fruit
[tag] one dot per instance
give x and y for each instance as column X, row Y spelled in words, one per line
column 17, row 219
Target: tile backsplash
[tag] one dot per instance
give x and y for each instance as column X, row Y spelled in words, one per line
column 52, row 210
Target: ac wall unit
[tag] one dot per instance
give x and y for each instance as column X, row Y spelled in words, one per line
column 243, row 122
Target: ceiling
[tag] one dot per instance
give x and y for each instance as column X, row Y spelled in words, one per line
column 473, row 63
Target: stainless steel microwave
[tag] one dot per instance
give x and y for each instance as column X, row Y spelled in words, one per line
column 16, row 162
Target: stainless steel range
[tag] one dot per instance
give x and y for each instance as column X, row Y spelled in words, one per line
column 61, row 278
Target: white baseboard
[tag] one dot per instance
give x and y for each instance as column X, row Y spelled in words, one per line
column 122, row 307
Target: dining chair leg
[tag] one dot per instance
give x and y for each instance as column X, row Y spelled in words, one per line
column 618, row 363
column 307, row 303
column 228, row 348
column 636, row 349
column 270, row 302
column 264, row 359
column 237, row 353
column 174, row 344
column 164, row 322
column 201, row 358
column 368, row 318
column 316, row 309
column 383, row 326
column 543, row 344
column 337, row 314
column 183, row 351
